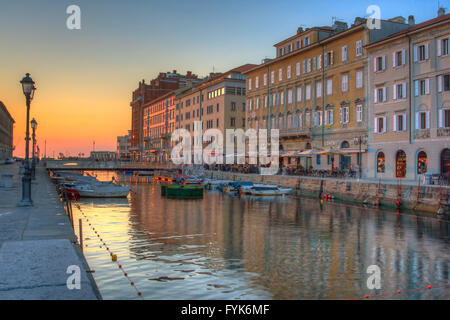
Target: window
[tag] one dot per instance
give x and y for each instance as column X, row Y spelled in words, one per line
column 344, row 83
column 359, row 79
column 400, row 164
column 380, row 124
column 421, row 52
column 422, row 120
column 359, row 48
column 289, row 98
column 443, row 47
column 329, row 117
column 422, row 87
column 344, row 115
column 399, row 58
column 256, row 82
column 318, row 160
column 233, row 106
column 280, row 51
column 443, row 83
column 317, row 118
column 329, row 59
column 399, row 122
column 249, row 84
column 380, row 95
column 282, row 97
column 272, row 77
column 329, row 87
column 233, row 122
column 297, row 68
column 421, row 162
column 344, row 53
column 359, row 113
column 399, row 91
column 318, row 89
column 288, row 72
column 380, row 162
column 299, row 94
column 380, row 64
column 280, row 74
column 265, row 79
column 444, row 118
column 308, row 92
column 287, row 49
column 308, row 66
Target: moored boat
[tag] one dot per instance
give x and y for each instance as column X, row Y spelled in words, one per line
column 267, row 190
column 182, row 191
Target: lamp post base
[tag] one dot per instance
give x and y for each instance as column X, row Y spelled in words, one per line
column 25, row 203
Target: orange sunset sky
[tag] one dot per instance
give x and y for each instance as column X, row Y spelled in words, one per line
column 85, row 78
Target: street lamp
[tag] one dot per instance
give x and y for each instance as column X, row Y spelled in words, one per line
column 33, row 154
column 360, row 140
column 28, row 90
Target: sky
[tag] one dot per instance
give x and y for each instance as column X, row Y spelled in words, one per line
column 85, row 77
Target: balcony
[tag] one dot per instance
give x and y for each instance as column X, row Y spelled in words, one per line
column 443, row 132
column 422, row 134
column 295, row 132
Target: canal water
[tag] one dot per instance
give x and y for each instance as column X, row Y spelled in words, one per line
column 231, row 247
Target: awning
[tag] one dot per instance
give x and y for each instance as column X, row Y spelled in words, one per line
column 352, row 150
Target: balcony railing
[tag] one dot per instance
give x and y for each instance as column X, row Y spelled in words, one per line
column 443, row 132
column 422, row 134
column 292, row 132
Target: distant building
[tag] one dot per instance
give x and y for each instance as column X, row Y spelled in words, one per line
column 123, row 146
column 103, row 155
column 164, row 83
column 6, row 133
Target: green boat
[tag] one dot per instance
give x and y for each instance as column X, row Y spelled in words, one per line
column 182, row 191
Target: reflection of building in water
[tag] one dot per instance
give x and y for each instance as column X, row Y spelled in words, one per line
column 290, row 247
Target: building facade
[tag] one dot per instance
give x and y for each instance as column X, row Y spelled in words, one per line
column 315, row 92
column 144, row 94
column 409, row 102
column 123, row 146
column 159, row 123
column 103, row 155
column 219, row 103
column 6, row 133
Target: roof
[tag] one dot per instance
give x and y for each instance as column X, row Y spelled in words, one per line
column 302, row 33
column 220, row 77
column 412, row 29
column 5, row 110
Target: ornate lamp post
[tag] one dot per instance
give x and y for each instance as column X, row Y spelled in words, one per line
column 360, row 140
column 28, row 90
column 33, row 161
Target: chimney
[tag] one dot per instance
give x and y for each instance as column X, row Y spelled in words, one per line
column 174, row 71
column 339, row 26
column 189, row 74
column 411, row 20
column 441, row 12
column 299, row 30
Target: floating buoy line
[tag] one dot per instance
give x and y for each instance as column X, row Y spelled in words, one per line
column 398, row 292
column 113, row 256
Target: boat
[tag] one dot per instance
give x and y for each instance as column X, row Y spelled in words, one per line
column 104, row 190
column 267, row 190
column 215, row 184
column 182, row 191
column 235, row 186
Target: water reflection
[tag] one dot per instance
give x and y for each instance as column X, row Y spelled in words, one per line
column 229, row 247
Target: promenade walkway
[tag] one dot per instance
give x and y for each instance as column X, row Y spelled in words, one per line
column 36, row 244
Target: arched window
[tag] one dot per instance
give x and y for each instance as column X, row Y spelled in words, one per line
column 381, row 162
column 400, row 164
column 421, row 162
column 345, row 145
column 445, row 162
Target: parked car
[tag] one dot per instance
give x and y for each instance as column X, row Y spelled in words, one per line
column 9, row 161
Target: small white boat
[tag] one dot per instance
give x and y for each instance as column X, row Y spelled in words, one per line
column 266, row 190
column 105, row 190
